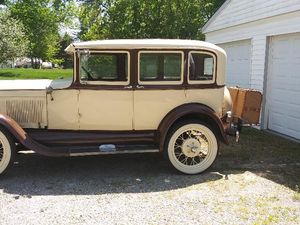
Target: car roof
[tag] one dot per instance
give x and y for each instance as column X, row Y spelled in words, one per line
column 122, row 44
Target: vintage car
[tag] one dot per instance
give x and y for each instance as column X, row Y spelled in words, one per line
column 126, row 96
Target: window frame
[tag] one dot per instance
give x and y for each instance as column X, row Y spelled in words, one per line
column 212, row 81
column 161, row 82
column 109, row 83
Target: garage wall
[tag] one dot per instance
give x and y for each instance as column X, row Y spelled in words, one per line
column 257, row 31
column 283, row 85
column 235, row 12
column 238, row 68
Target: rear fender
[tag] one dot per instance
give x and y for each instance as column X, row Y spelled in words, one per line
column 191, row 111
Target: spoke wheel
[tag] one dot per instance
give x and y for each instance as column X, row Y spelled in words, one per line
column 192, row 147
column 7, row 151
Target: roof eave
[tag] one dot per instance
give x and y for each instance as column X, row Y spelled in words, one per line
column 204, row 28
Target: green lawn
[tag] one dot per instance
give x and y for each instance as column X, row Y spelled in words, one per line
column 22, row 73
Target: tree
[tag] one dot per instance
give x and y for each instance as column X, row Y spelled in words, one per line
column 66, row 59
column 101, row 19
column 210, row 7
column 42, row 19
column 13, row 42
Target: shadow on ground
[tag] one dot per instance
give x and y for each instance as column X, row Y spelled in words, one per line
column 134, row 173
column 264, row 154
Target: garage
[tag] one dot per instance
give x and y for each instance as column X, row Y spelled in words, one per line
column 262, row 41
column 283, row 82
column 238, row 63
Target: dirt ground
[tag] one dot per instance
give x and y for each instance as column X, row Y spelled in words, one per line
column 256, row 181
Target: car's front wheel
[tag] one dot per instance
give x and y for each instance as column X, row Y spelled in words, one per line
column 7, row 151
column 192, row 147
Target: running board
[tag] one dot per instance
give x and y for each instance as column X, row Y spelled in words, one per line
column 109, row 149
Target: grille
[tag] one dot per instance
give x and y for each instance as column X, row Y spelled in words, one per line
column 26, row 111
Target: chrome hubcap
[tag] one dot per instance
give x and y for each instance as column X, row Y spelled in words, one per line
column 191, row 147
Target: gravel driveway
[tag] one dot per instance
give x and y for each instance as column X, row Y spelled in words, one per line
column 143, row 189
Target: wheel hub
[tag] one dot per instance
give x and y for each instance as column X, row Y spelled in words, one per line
column 191, row 147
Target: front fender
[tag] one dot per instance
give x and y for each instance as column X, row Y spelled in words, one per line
column 187, row 111
column 22, row 137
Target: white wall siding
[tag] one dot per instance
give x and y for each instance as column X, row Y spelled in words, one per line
column 258, row 31
column 258, row 62
column 243, row 11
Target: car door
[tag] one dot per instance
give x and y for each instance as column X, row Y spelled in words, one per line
column 160, row 87
column 105, row 96
column 62, row 109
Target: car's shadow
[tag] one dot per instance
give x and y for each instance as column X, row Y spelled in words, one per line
column 260, row 153
column 134, row 173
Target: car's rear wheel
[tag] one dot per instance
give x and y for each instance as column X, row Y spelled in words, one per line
column 192, row 147
column 7, row 151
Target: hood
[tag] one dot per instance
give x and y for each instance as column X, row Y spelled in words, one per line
column 34, row 84
column 25, row 101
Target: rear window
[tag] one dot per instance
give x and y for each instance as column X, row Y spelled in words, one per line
column 201, row 67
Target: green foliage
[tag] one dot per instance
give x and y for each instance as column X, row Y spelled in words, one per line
column 62, row 58
column 104, row 19
column 42, row 20
column 13, row 42
column 109, row 19
column 22, row 73
column 41, row 27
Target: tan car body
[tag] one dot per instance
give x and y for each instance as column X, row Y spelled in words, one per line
column 33, row 110
column 84, row 109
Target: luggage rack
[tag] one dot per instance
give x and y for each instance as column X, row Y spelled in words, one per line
column 246, row 108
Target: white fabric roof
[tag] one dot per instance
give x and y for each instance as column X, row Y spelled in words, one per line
column 141, row 43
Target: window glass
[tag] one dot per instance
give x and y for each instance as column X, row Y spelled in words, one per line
column 104, row 67
column 201, row 66
column 160, row 66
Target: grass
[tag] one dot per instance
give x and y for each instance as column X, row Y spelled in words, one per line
column 262, row 147
column 266, row 155
column 28, row 73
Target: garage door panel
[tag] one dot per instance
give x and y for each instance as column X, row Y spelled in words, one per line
column 281, row 49
column 293, row 124
column 279, row 68
column 283, row 95
column 278, row 120
column 286, row 83
column 284, row 108
column 285, row 124
column 293, row 111
column 238, row 63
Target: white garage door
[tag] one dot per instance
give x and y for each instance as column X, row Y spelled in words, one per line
column 283, row 87
column 238, row 63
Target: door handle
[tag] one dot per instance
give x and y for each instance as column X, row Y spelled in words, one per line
column 139, row 87
column 128, row 87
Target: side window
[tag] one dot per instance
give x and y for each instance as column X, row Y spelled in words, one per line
column 201, row 67
column 159, row 67
column 104, row 67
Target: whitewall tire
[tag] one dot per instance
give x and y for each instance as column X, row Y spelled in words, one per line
column 192, row 147
column 7, row 151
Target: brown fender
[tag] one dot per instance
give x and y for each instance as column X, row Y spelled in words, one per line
column 191, row 111
column 21, row 136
